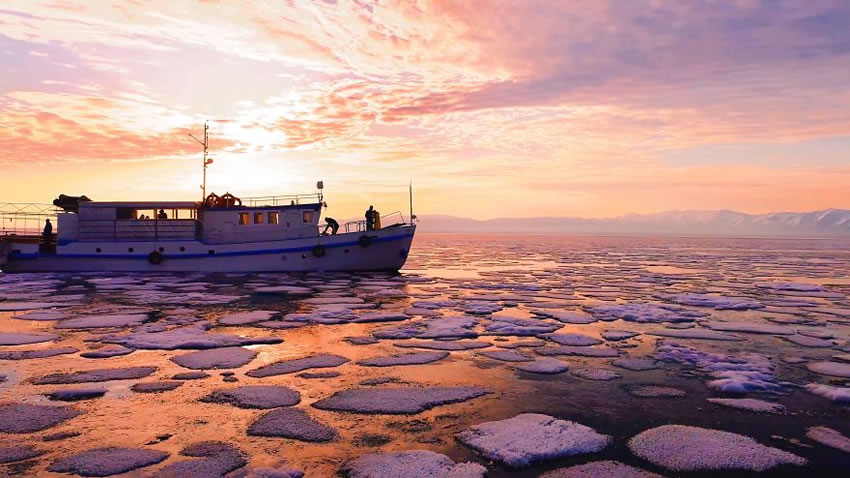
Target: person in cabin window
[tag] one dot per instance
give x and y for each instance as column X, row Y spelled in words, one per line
column 162, row 214
column 48, row 230
column 332, row 225
column 370, row 218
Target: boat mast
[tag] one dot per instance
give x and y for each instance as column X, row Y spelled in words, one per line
column 207, row 161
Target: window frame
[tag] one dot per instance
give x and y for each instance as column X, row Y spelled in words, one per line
column 273, row 218
column 307, row 216
column 259, row 215
column 245, row 219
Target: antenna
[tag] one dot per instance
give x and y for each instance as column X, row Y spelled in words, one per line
column 207, row 161
column 410, row 186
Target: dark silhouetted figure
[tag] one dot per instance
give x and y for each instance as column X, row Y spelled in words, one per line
column 162, row 214
column 47, row 233
column 332, row 225
column 370, row 218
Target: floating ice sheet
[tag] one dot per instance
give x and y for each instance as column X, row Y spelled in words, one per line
column 291, row 423
column 416, row 358
column 221, row 358
column 411, row 464
column 397, row 400
column 836, row 394
column 751, row 404
column 600, row 469
column 297, row 365
column 107, row 461
column 829, row 437
column 26, row 418
column 531, row 437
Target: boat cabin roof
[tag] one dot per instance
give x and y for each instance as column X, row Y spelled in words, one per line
column 186, row 205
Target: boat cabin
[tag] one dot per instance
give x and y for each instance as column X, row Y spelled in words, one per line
column 186, row 220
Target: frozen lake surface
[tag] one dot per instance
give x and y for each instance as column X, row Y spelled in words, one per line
column 488, row 355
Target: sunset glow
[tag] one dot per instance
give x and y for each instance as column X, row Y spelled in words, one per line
column 492, row 109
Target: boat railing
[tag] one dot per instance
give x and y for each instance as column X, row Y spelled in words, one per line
column 387, row 220
column 282, row 200
column 25, row 219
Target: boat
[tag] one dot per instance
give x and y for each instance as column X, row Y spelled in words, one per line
column 218, row 234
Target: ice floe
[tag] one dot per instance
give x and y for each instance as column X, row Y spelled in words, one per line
column 544, row 366
column 713, row 301
column 750, row 327
column 506, row 356
column 698, row 334
column 635, row 364
column 593, row 351
column 297, row 365
column 24, row 338
column 530, row 437
column 76, row 394
column 646, row 313
column 247, row 317
column 9, row 454
column 107, row 351
column 215, row 459
column 102, row 321
column 577, row 340
column 107, row 461
column 616, row 335
column 686, row 448
column 415, row 358
column 46, row 315
column 519, row 326
column 221, row 358
column 652, row 391
column 744, row 373
column 836, row 394
column 36, row 354
column 567, row 317
column 411, row 464
column 190, row 337
column 9, row 306
column 829, row 437
column 291, row 423
column 750, row 404
column 835, row 369
column 441, row 345
column 595, row 374
column 97, row 375
column 26, row 418
column 155, row 387
column 600, row 469
column 806, row 341
column 256, row 396
column 397, row 400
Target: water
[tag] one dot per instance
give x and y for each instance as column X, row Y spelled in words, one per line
column 524, row 277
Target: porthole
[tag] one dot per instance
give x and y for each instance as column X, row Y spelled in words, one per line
column 345, row 250
column 97, row 250
column 303, row 256
column 283, row 258
column 161, row 249
column 130, row 249
column 211, row 252
column 182, row 249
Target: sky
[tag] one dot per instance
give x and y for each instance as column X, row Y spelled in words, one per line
column 498, row 108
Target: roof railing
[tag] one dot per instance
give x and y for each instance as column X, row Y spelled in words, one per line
column 282, row 200
column 25, row 218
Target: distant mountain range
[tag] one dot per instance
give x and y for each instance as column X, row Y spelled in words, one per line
column 829, row 222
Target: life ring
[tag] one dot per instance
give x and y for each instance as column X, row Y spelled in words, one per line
column 364, row 241
column 155, row 257
column 319, row 251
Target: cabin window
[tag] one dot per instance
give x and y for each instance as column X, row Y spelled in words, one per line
column 273, row 219
column 244, row 218
column 258, row 218
column 307, row 217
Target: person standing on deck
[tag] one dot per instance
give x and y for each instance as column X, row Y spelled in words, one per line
column 370, row 218
column 332, row 225
column 47, row 233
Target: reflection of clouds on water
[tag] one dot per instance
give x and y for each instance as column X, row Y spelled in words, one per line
column 648, row 329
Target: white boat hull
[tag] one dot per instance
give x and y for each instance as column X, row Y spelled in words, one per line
column 387, row 250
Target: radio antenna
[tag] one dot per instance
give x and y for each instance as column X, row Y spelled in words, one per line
column 207, row 161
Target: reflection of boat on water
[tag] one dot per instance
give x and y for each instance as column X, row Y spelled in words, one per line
column 277, row 233
column 219, row 234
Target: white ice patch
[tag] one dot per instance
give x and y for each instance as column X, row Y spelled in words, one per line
column 440, row 345
column 250, row 317
column 835, row 369
column 506, row 356
column 713, row 301
column 600, row 469
column 43, row 315
column 191, row 337
column 102, row 321
column 750, row 328
column 616, row 335
column 567, row 317
column 24, row 338
column 411, row 464
column 416, row 358
column 744, row 373
column 790, row 286
column 595, row 374
column 297, row 365
column 531, row 437
column 829, row 437
column 544, row 366
column 17, row 306
column 836, row 394
column 481, row 308
column 397, row 400
column 576, row 340
column 594, row 351
column 646, row 313
column 751, row 404
column 807, row 341
column 220, row 358
column 518, row 326
column 686, row 448
column 635, row 363
column 696, row 334
column 381, row 317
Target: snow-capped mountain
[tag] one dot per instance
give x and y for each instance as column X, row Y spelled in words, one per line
column 829, row 222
